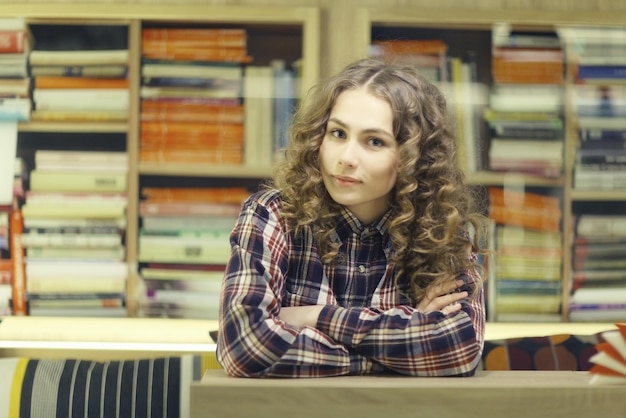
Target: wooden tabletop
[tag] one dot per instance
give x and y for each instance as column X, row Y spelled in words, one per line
column 508, row 394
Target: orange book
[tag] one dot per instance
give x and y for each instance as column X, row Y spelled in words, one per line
column 157, row 44
column 16, row 225
column 527, row 73
column 6, row 271
column 515, row 198
column 62, row 82
column 152, row 111
column 165, row 130
column 523, row 217
column 189, row 194
column 191, row 157
column 169, row 34
column 214, row 54
column 184, row 143
column 410, row 46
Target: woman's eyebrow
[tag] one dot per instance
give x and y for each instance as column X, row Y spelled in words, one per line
column 368, row 131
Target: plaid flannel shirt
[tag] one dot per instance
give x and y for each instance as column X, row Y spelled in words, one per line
column 367, row 324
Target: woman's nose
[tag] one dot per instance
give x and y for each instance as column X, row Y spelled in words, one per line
column 348, row 154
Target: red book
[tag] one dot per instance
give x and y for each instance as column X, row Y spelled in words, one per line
column 14, row 41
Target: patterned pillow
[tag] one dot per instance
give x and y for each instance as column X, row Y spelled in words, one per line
column 555, row 352
column 156, row 387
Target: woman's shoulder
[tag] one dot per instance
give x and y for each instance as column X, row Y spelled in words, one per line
column 270, row 199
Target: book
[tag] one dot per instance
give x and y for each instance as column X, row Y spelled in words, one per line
column 191, row 111
column 79, row 115
column 175, row 223
column 596, row 312
column 85, row 284
column 78, row 57
column 204, row 247
column 116, row 99
column 63, row 82
column 70, row 181
column 197, row 194
column 609, row 363
column 17, row 259
column 191, row 69
column 219, row 92
column 15, row 41
column 73, row 158
column 601, row 225
column 8, row 133
column 607, row 294
column 542, row 220
column 147, row 208
column 15, row 109
column 104, row 70
column 114, row 253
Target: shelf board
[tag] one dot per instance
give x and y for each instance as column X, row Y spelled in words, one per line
column 492, row 178
column 598, row 195
column 36, row 126
column 204, row 170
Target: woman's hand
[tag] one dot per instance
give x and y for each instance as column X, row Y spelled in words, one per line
column 443, row 298
column 301, row 316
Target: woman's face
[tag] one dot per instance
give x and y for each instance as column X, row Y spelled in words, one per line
column 359, row 154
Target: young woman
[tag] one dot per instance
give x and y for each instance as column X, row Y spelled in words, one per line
column 361, row 257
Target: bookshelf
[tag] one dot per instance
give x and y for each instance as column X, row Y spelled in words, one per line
column 465, row 30
column 286, row 33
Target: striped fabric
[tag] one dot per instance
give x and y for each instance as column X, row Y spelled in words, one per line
column 156, row 388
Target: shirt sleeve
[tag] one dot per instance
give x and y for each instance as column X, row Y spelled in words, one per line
column 411, row 342
column 253, row 341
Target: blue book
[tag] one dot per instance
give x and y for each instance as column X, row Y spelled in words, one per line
column 602, row 71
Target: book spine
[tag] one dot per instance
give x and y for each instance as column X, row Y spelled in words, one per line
column 12, row 41
column 602, row 71
column 19, row 271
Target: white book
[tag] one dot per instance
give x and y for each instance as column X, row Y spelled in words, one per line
column 115, row 99
column 599, row 295
column 77, row 269
column 79, row 57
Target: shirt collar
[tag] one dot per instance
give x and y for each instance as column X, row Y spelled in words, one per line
column 348, row 224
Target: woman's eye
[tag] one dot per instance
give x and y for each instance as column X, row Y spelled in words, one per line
column 337, row 133
column 375, row 142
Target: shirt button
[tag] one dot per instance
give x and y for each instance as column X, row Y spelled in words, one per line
column 362, row 268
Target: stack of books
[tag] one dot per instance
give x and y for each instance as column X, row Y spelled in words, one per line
column 73, row 233
column 183, row 249
column 15, row 45
column 80, row 85
column 528, row 245
column 599, row 103
column 429, row 56
column 599, row 269
column 526, row 103
column 191, row 108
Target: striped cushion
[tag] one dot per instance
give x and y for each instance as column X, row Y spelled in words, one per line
column 31, row 388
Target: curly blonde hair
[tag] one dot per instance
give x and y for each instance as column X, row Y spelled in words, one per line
column 432, row 207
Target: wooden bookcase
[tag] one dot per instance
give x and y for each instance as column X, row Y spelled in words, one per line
column 464, row 29
column 301, row 27
column 281, row 32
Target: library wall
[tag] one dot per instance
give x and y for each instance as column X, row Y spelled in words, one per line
column 338, row 40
